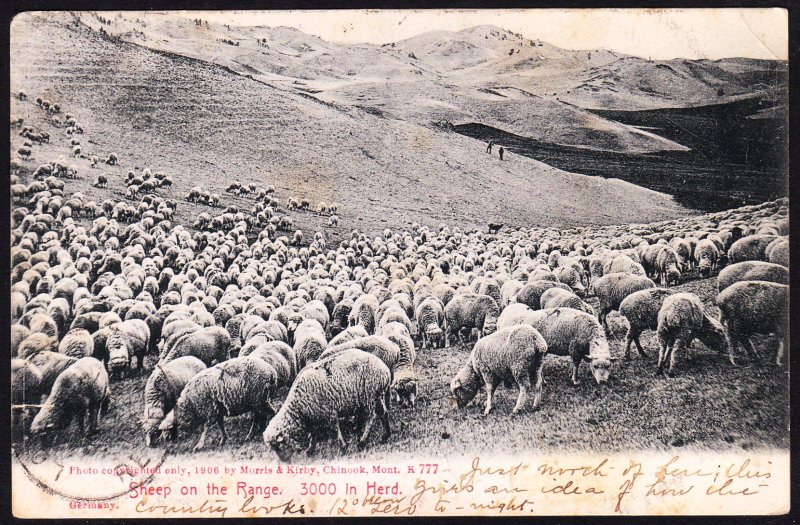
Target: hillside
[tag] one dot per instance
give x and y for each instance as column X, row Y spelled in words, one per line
column 204, row 124
column 481, row 75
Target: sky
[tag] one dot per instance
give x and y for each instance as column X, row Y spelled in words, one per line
column 650, row 33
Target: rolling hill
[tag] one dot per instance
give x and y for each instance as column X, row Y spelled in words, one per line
column 205, row 123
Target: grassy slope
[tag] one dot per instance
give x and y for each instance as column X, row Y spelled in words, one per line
column 204, row 125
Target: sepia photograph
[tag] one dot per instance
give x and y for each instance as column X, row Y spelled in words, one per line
column 399, row 262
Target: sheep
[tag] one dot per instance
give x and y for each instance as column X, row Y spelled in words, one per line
column 470, row 311
column 25, row 391
column 309, row 341
column 641, row 309
column 404, row 377
column 750, row 248
column 754, row 307
column 612, row 288
column 37, row 342
column 667, row 264
column 576, row 334
column 19, row 333
column 50, row 364
column 778, row 251
column 162, row 390
column 531, row 293
column 305, row 204
column 77, row 343
column 511, row 354
column 280, row 355
column 79, row 391
column 682, row 319
column 348, row 383
column 209, row 345
column 683, row 250
column 333, row 221
column 231, row 388
column 348, row 334
column 558, row 297
column 707, row 256
column 126, row 340
column 752, row 271
column 623, row 264
column 382, row 347
column 429, row 315
column 24, row 152
column 363, row 312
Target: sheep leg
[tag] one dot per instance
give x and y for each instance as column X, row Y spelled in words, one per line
column 779, row 354
column 639, row 346
column 221, row 425
column 751, row 350
column 731, row 342
column 340, row 436
column 383, row 412
column 538, row 382
column 524, row 384
column 628, row 340
column 201, row 443
column 663, row 350
column 367, row 427
column 678, row 344
column 491, row 385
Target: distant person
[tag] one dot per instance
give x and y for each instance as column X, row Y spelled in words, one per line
column 501, row 151
column 489, row 147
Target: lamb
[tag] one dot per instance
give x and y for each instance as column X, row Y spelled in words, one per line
column 531, row 293
column 470, row 311
column 79, row 391
column 641, row 309
column 667, row 264
column 210, row 345
column 750, row 248
column 429, row 315
column 611, row 289
column 511, row 354
column 50, row 364
column 752, row 271
column 232, row 388
column 162, row 390
column 25, row 391
column 77, row 343
column 557, row 297
column 578, row 335
column 754, row 307
column 348, row 383
column 309, row 341
column 682, row 319
column 707, row 256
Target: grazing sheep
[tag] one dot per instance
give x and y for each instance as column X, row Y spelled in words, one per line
column 363, row 312
column 348, row 334
column 37, row 342
column 667, row 264
column 750, row 248
column 641, row 309
column 575, row 334
column 531, row 293
column 682, row 319
column 778, row 251
column 309, row 341
column 50, row 364
column 79, row 391
column 623, row 264
column 752, row 271
column 163, row 388
column 404, row 377
column 511, row 354
column 282, row 358
column 429, row 315
column 558, row 297
column 494, row 228
column 347, row 383
column 77, row 343
column 18, row 334
column 611, row 289
column 238, row 386
column 382, row 347
column 707, row 256
column 25, row 391
column 754, row 307
column 333, row 220
column 210, row 345
column 24, row 152
column 112, row 159
column 470, row 311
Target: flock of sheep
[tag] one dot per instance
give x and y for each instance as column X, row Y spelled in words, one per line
column 234, row 315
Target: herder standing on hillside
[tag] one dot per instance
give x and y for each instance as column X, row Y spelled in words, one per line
column 501, row 151
column 489, row 147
